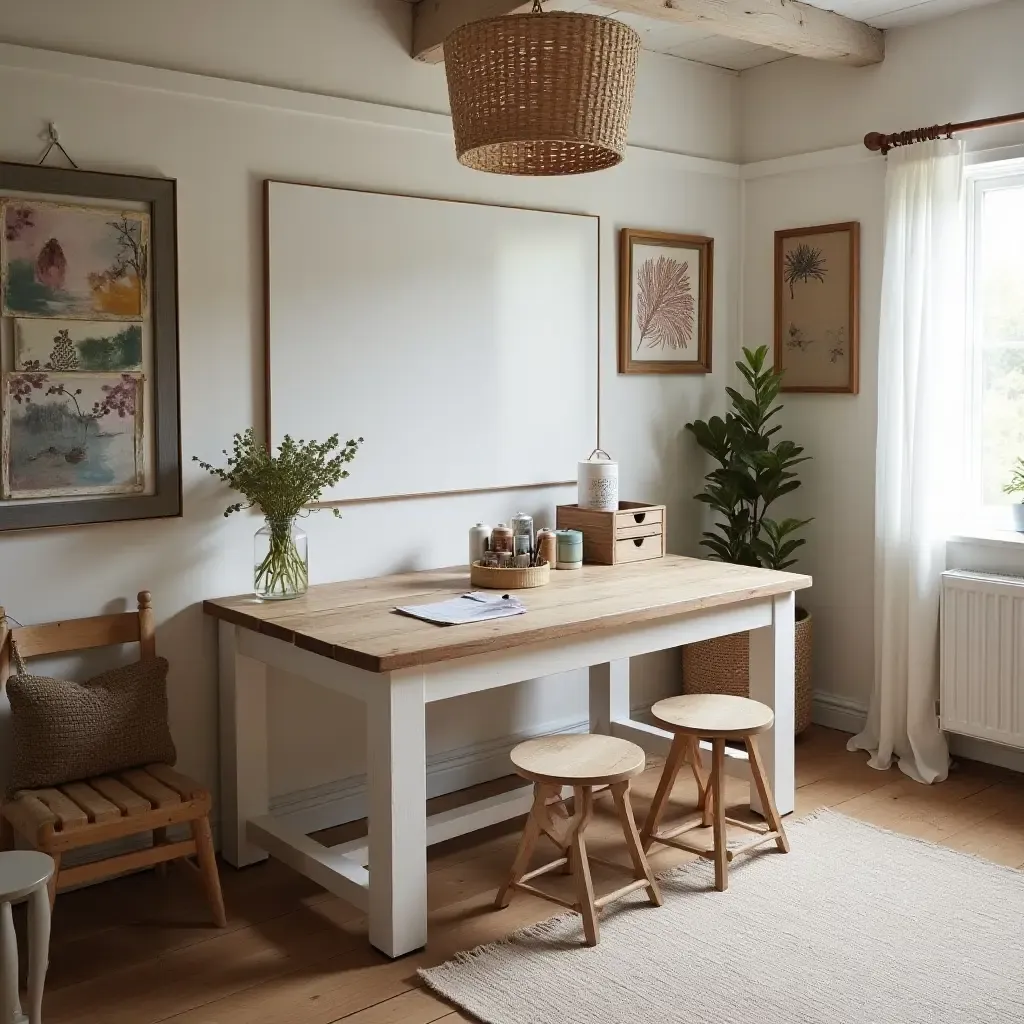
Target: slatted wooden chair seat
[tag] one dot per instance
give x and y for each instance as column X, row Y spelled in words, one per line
column 152, row 799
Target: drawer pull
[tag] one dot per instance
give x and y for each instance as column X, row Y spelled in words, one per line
column 638, row 541
column 639, row 517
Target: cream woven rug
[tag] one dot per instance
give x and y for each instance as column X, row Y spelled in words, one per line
column 855, row 925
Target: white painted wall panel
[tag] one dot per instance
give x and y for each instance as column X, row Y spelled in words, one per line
column 459, row 339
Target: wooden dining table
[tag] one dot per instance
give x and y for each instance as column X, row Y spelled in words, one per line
column 348, row 637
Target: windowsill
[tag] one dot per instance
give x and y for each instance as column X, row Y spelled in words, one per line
column 988, row 538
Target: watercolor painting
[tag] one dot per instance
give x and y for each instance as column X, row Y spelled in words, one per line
column 100, row 346
column 72, row 434
column 75, row 262
column 665, row 299
column 816, row 300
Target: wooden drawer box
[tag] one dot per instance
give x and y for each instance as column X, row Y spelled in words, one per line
column 633, row 534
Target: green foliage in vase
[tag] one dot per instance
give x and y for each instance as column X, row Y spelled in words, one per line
column 752, row 472
column 282, row 485
column 1016, row 484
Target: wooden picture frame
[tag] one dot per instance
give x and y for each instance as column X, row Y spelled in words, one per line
column 667, row 280
column 156, row 198
column 817, row 308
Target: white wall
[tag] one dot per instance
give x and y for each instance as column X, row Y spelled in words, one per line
column 793, row 113
column 951, row 69
column 220, row 139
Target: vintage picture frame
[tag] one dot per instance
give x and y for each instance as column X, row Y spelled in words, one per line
column 666, row 289
column 817, row 308
column 103, row 338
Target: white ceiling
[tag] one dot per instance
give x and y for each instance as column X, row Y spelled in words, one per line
column 699, row 43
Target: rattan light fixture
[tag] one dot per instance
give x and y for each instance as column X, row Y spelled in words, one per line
column 542, row 93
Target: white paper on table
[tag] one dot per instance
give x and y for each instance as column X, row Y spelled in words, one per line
column 474, row 607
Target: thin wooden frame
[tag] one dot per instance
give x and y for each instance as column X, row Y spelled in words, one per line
column 852, row 387
column 161, row 196
column 374, row 499
column 628, row 239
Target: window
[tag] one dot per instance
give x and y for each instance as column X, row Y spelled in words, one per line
column 995, row 336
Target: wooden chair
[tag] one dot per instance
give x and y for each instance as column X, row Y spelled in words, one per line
column 583, row 762
column 151, row 799
column 716, row 717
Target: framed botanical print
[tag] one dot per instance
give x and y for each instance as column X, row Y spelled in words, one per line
column 817, row 302
column 665, row 295
column 89, row 409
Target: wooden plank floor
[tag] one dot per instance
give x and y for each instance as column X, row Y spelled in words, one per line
column 137, row 950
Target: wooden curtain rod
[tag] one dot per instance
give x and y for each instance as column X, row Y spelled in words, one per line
column 879, row 143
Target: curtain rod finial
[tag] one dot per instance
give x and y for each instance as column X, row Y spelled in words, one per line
column 874, row 141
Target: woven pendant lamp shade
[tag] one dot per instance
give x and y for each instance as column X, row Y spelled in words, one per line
column 541, row 94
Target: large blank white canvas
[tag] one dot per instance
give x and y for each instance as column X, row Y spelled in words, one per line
column 460, row 340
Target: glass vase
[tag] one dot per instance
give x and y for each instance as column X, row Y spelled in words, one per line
column 281, row 565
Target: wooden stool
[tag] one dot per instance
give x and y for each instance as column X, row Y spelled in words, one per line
column 583, row 762
column 716, row 717
column 24, row 874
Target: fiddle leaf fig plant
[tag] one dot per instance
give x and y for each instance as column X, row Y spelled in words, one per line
column 753, row 470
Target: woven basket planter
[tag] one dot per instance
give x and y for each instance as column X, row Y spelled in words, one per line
column 541, row 94
column 722, row 665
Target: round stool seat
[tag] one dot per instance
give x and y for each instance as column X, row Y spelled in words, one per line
column 714, row 714
column 22, row 872
column 581, row 759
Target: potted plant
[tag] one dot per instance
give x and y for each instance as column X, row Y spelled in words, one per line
column 753, row 469
column 1016, row 488
column 281, row 486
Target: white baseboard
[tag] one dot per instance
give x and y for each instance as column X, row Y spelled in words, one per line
column 847, row 715
column 835, row 712
column 990, row 753
column 335, row 803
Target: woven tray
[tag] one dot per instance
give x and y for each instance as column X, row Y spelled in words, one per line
column 509, row 579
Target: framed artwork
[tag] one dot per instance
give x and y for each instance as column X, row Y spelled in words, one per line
column 91, row 346
column 89, row 397
column 68, row 434
column 665, row 294
column 817, row 303
column 60, row 260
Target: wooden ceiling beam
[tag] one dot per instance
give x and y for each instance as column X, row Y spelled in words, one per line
column 786, row 25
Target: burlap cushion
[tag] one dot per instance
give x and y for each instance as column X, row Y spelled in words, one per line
column 65, row 731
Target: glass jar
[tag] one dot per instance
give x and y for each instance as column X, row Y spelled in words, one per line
column 280, row 563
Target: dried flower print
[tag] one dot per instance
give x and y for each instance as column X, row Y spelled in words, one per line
column 804, row 263
column 665, row 304
column 72, row 433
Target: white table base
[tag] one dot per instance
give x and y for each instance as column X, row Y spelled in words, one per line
column 395, row 855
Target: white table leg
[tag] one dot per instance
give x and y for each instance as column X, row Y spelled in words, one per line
column 38, row 951
column 244, row 783
column 10, row 1005
column 397, row 777
column 609, row 694
column 772, row 681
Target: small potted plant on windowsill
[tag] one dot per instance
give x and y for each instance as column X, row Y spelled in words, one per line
column 753, row 470
column 1015, row 488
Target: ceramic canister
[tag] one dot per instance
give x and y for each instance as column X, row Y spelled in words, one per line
column 570, row 549
column 479, row 541
column 501, row 538
column 598, row 483
column 547, row 547
column 522, row 526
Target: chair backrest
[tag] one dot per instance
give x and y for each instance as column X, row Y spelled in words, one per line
column 80, row 634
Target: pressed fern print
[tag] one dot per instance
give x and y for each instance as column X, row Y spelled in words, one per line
column 664, row 304
column 803, row 263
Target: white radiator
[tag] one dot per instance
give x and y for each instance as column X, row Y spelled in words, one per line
column 982, row 656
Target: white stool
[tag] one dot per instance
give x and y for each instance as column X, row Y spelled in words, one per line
column 24, row 874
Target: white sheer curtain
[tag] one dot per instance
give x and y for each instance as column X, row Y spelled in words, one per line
column 920, row 374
